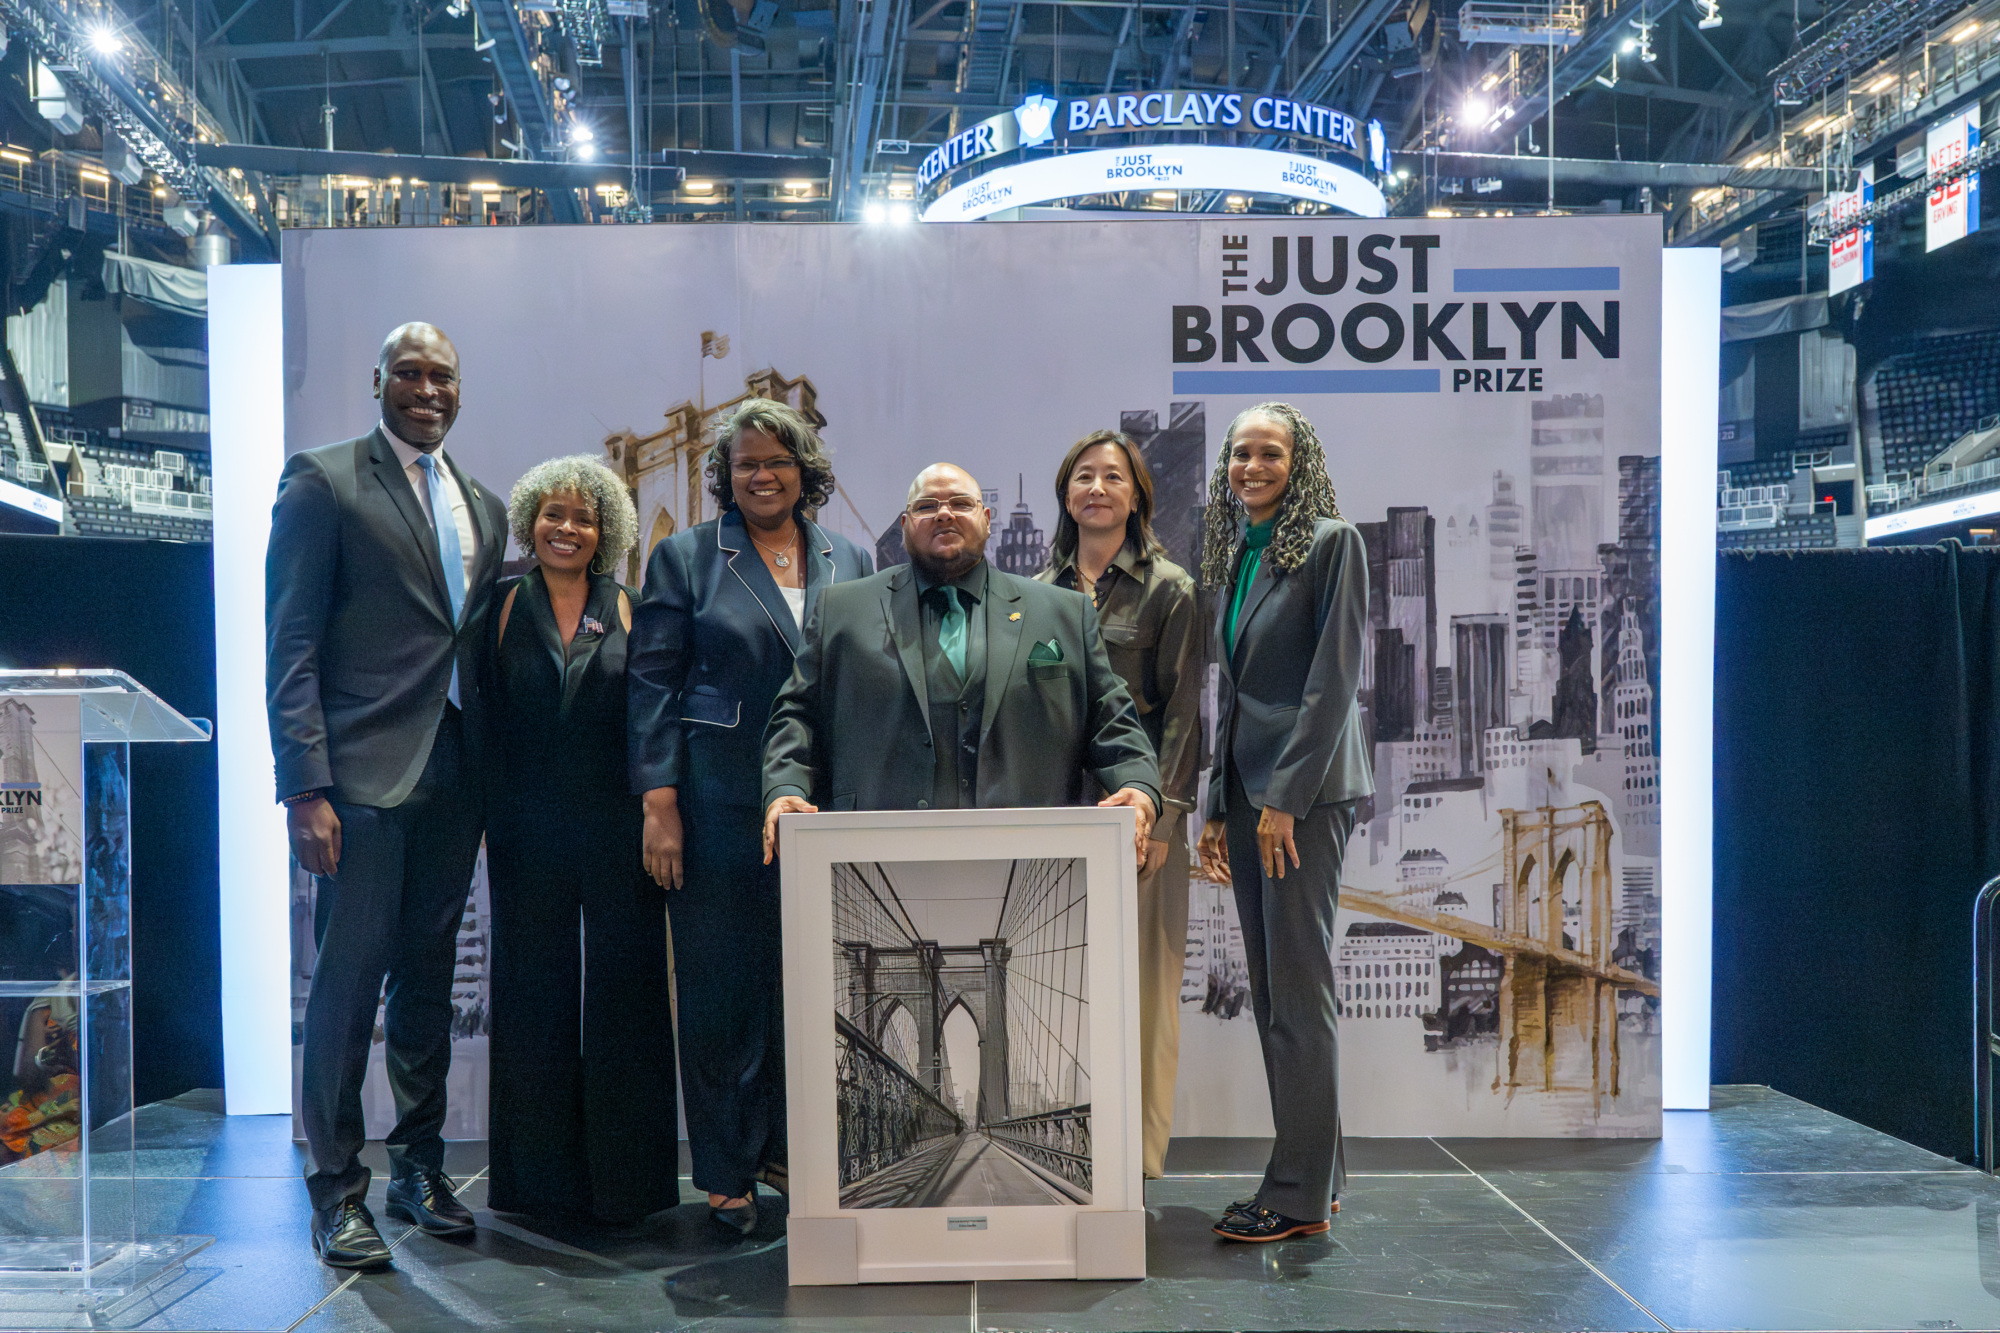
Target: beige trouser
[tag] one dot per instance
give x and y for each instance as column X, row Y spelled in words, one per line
column 1163, row 921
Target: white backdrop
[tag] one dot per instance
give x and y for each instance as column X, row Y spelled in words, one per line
column 1516, row 631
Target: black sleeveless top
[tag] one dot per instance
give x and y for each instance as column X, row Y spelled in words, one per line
column 558, row 717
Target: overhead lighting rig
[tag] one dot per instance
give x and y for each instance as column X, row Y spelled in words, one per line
column 1851, row 41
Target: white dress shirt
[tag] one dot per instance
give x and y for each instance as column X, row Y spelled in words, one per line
column 407, row 455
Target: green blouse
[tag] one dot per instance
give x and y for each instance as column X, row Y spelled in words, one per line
column 1255, row 538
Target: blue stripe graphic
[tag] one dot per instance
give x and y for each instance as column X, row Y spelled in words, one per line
column 1535, row 279
column 1306, row 381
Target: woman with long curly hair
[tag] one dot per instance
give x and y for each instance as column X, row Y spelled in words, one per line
column 1290, row 764
column 712, row 643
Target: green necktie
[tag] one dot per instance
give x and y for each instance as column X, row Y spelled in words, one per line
column 951, row 634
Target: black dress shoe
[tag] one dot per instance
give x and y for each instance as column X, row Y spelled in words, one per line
column 1249, row 1204
column 742, row 1220
column 1258, row 1225
column 344, row 1236
column 424, row 1200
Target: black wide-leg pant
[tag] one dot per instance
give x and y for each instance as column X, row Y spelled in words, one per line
column 729, row 979
column 581, row 1083
column 390, row 915
column 1289, row 942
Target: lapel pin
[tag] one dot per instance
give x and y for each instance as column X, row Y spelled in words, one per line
column 1015, row 616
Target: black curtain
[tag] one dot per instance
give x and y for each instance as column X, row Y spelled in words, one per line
column 1856, row 744
column 146, row 608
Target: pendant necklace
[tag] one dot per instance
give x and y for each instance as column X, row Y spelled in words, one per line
column 780, row 557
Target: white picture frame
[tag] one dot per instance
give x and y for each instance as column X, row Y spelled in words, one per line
column 829, row 1244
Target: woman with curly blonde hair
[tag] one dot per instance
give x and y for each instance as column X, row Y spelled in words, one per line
column 1290, row 763
column 582, row 1074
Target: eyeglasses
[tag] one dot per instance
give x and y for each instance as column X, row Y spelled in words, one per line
column 750, row 467
column 961, row 505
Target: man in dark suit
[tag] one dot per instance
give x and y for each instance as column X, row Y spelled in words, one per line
column 381, row 566
column 948, row 684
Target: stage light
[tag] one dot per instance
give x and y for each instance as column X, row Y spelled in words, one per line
column 1473, row 108
column 586, row 151
column 1883, row 84
column 581, row 133
column 1402, row 173
column 1690, row 297
column 105, row 41
column 874, row 213
column 1966, row 34
column 1629, row 45
column 901, row 213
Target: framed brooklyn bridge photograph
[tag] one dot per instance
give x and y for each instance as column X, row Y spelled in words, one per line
column 961, row 1045
column 961, row 1032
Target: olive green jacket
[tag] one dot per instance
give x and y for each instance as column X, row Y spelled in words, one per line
column 1152, row 634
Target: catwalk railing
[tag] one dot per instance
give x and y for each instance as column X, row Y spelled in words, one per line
column 885, row 1114
column 1056, row 1141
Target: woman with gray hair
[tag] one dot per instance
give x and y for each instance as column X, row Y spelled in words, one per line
column 582, row 1059
column 712, row 644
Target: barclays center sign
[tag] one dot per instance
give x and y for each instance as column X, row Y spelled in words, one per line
column 1040, row 120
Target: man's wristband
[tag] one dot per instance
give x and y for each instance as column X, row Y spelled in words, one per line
column 300, row 798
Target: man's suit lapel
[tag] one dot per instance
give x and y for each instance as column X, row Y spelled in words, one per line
column 906, row 627
column 492, row 545
column 1004, row 645
column 396, row 484
column 732, row 538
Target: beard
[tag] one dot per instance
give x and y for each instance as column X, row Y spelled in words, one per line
column 944, row 571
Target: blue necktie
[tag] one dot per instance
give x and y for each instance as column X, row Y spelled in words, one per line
column 951, row 631
column 449, row 551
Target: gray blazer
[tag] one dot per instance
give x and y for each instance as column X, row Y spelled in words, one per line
column 1286, row 710
column 851, row 729
column 359, row 641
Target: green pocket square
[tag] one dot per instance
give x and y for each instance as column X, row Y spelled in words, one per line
column 1045, row 654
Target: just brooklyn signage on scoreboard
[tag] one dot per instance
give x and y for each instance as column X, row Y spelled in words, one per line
column 1039, row 120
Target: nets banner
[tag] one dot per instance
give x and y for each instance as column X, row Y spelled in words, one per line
column 1489, row 396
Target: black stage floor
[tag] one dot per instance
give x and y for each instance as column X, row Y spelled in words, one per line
column 1765, row 1214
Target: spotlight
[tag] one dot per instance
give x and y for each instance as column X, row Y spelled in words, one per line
column 1629, row 45
column 874, row 213
column 1473, row 109
column 586, row 151
column 105, row 40
column 582, row 133
column 901, row 213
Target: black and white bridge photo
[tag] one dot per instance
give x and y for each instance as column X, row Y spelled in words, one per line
column 962, row 1031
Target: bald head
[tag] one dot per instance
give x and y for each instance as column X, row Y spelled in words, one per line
column 946, row 523
column 416, row 377
column 960, row 480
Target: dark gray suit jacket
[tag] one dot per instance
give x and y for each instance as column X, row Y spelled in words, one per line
column 851, row 729
column 1286, row 712
column 359, row 641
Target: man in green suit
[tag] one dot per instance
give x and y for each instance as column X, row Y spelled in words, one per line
column 947, row 684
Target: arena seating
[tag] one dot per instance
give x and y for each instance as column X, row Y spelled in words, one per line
column 1931, row 395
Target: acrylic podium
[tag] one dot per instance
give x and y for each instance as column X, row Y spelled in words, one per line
column 72, row 1219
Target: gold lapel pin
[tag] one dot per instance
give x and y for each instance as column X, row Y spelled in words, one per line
column 1015, row 616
